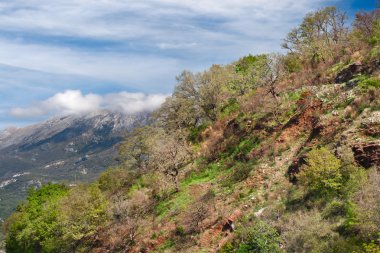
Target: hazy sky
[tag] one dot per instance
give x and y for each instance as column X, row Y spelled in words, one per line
column 67, row 56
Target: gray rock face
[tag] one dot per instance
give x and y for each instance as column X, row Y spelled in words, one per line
column 69, row 148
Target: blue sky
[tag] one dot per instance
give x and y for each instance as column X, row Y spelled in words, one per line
column 67, row 56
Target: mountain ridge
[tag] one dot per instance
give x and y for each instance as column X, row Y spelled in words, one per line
column 72, row 148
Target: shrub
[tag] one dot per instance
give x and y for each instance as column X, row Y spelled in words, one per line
column 114, row 179
column 231, row 106
column 260, row 238
column 80, row 213
column 354, row 178
column 306, row 232
column 241, row 172
column 335, row 208
column 367, row 206
column 368, row 83
column 227, row 248
column 322, row 173
column 195, row 132
column 180, row 231
column 292, row 63
column 35, row 225
column 372, row 247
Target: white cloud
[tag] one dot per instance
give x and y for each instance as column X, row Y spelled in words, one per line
column 133, row 102
column 107, row 66
column 201, row 29
column 127, row 45
column 74, row 102
column 20, row 112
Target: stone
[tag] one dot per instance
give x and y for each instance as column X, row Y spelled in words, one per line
column 367, row 154
column 349, row 72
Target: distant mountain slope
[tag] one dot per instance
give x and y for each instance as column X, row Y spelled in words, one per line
column 72, row 148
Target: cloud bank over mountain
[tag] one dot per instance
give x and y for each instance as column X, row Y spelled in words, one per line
column 74, row 102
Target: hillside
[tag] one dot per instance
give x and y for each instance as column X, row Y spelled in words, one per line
column 271, row 153
column 74, row 148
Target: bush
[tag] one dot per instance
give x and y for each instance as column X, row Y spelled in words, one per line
column 260, row 238
column 366, row 203
column 80, row 214
column 180, row 231
column 231, row 106
column 292, row 63
column 35, row 225
column 372, row 247
column 241, row 172
column 368, row 83
column 307, row 232
column 195, row 132
column 335, row 208
column 227, row 248
column 114, row 179
column 322, row 173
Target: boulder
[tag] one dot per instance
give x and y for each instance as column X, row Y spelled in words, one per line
column 367, row 154
column 349, row 72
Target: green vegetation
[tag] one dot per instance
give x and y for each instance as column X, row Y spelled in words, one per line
column 258, row 237
column 260, row 155
column 369, row 83
column 322, row 174
column 54, row 218
column 33, row 226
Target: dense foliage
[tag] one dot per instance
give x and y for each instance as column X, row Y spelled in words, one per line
column 33, row 226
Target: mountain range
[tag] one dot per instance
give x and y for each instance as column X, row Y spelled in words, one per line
column 71, row 148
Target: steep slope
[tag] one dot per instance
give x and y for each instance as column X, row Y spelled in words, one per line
column 269, row 154
column 73, row 148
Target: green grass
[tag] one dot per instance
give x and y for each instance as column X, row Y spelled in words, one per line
column 371, row 82
column 177, row 202
column 207, row 175
column 245, row 146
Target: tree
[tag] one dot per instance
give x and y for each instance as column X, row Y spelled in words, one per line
column 248, row 73
column 211, row 89
column 181, row 110
column 271, row 74
column 200, row 213
column 134, row 150
column 170, row 152
column 319, row 35
column 35, row 225
column 81, row 212
column 305, row 232
column 367, row 26
column 364, row 22
column 322, row 173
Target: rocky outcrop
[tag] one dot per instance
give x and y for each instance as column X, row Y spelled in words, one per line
column 356, row 69
column 349, row 72
column 367, row 154
column 371, row 126
column 371, row 129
